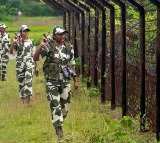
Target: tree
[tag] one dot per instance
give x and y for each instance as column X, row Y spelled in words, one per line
column 3, row 2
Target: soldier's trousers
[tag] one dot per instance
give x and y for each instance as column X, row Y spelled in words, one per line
column 59, row 102
column 0, row 66
column 24, row 73
column 4, row 62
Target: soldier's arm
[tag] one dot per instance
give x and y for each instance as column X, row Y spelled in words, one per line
column 37, row 53
column 36, row 69
column 12, row 47
column 14, row 43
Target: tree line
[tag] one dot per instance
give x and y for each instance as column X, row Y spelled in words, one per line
column 27, row 7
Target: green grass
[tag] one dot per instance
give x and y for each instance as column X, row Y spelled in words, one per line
column 88, row 120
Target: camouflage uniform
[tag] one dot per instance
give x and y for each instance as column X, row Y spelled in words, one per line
column 25, row 66
column 57, row 87
column 1, row 51
column 5, row 43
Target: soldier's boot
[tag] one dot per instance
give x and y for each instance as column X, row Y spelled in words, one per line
column 23, row 100
column 59, row 132
column 3, row 78
column 28, row 101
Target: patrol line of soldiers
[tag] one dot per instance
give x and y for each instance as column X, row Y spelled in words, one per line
column 58, row 69
column 5, row 43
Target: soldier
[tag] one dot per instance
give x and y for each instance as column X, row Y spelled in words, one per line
column 24, row 63
column 5, row 43
column 0, row 56
column 58, row 68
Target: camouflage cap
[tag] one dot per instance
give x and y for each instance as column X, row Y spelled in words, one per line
column 59, row 30
column 24, row 27
column 2, row 25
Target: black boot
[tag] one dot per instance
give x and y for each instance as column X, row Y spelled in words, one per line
column 28, row 101
column 3, row 78
column 59, row 132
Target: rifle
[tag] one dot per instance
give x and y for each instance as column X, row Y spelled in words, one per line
column 17, row 37
column 46, row 40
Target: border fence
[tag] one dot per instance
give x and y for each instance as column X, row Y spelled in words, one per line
column 118, row 42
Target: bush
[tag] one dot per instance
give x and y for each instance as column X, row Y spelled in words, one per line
column 31, row 8
column 14, row 4
column 5, row 17
column 38, row 10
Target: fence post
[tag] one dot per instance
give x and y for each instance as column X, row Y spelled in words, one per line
column 158, row 75
column 103, row 58
column 86, row 38
column 95, row 79
column 142, row 61
column 82, row 34
column 112, row 50
column 123, row 21
column 157, row 3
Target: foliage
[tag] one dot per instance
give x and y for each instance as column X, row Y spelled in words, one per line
column 28, row 8
column 38, row 10
column 93, row 92
column 78, row 63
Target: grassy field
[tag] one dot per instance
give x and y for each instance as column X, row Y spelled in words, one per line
column 88, row 121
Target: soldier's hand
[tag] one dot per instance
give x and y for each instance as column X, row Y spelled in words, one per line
column 42, row 44
column 36, row 71
column 16, row 41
